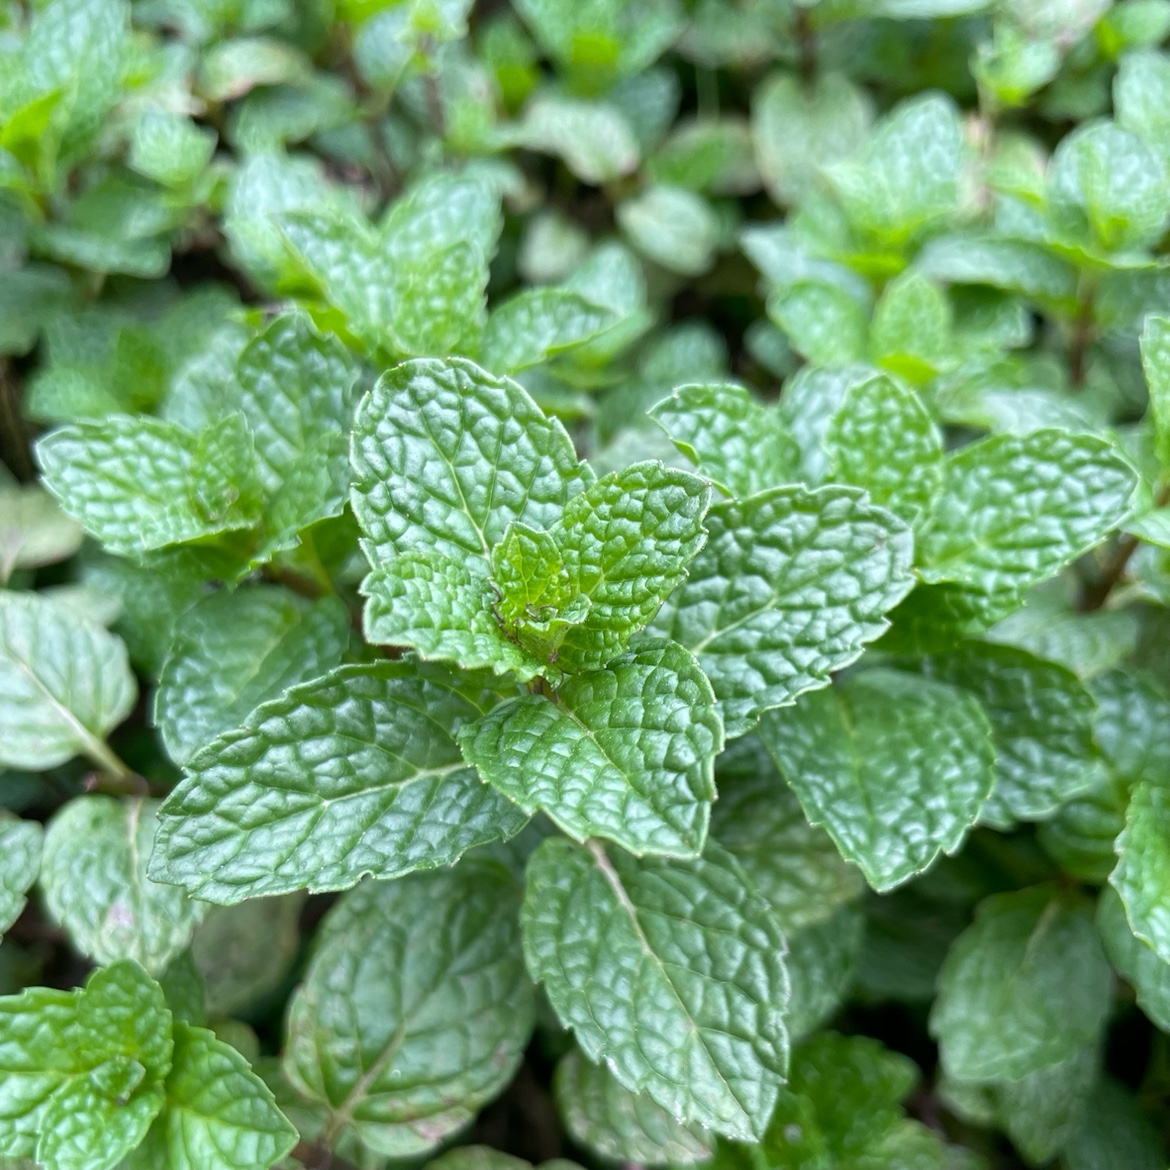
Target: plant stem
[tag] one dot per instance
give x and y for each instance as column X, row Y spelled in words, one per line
column 1082, row 337
column 806, row 43
column 13, row 436
column 314, row 1156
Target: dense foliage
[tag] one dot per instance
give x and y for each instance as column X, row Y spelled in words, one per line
column 584, row 580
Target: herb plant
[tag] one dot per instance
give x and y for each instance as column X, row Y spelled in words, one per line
column 584, row 582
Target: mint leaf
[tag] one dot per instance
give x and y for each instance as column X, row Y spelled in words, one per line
column 447, row 456
column 20, row 862
column 1015, row 508
column 689, row 1010
column 626, row 541
column 593, row 139
column 730, row 436
column 1156, row 366
column 94, row 881
column 607, row 1119
column 415, row 1008
column 440, row 301
column 1041, row 719
column 911, row 329
column 672, row 226
column 271, row 807
column 64, row 684
column 68, row 1058
column 895, row 767
column 233, row 651
column 1026, row 987
column 1134, row 960
column 883, row 440
column 1113, row 1129
column 822, row 964
column 538, row 323
column 624, row 753
column 1143, row 866
column 825, row 322
column 33, row 530
column 791, row 585
column 217, row 1115
column 139, row 484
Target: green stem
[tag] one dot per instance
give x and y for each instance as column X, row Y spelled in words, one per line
column 115, row 776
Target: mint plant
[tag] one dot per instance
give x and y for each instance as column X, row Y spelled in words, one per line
column 584, row 583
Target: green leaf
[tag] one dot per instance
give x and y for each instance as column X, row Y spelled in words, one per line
column 669, row 972
column 233, row 651
column 355, row 773
column 894, row 766
column 1134, row 960
column 20, row 862
column 415, row 1009
column 1026, row 987
column 673, row 227
column 68, row 1057
column 822, row 963
column 218, row 1114
column 825, row 323
column 139, row 484
column 911, row 329
column 800, row 126
column 1141, row 92
column 439, row 303
column 446, row 457
column 791, row 585
column 607, row 1119
column 94, row 881
column 64, row 685
column 538, row 323
column 730, row 436
column 626, row 541
column 593, row 139
column 33, row 530
column 1113, row 1131
column 883, row 440
column 1142, row 876
column 1015, row 508
column 439, row 211
column 1041, row 719
column 170, row 148
column 624, row 753
column 1016, row 266
column 759, row 821
column 1156, row 366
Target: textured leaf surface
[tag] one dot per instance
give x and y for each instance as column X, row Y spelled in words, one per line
column 624, row 753
column 354, row 773
column 1016, row 508
column 669, row 972
column 537, row 323
column 1041, row 718
column 822, row 963
column 626, row 541
column 1134, row 960
column 94, row 881
column 233, row 651
column 1142, row 876
column 33, row 530
column 218, row 1114
column 20, row 862
column 883, row 440
column 791, row 585
column 138, row 483
column 415, row 1009
column 1156, row 367
column 730, row 436
column 447, row 456
column 64, row 684
column 1025, row 987
column 894, row 766
column 605, row 1117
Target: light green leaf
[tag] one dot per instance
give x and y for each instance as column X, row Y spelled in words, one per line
column 447, row 456
column 911, row 329
column 1142, row 876
column 1156, row 366
column 822, row 963
column 67, row 1057
column 895, row 767
column 825, row 323
column 690, row 1007
column 624, row 753
column 792, row 864
column 1026, row 987
column 607, row 1119
column 355, row 773
column 64, row 684
column 1039, row 1112
column 673, row 227
column 730, row 436
column 626, row 541
column 439, row 211
column 93, row 877
column 233, row 651
column 1017, row 266
column 593, row 139
column 883, row 440
column 138, row 483
column 791, row 585
column 1141, row 96
column 800, row 126
column 20, row 862
column 33, row 530
column 170, row 148
column 1041, row 719
column 218, row 1114
column 440, row 301
column 537, row 323
column 415, row 1009
column 1134, row 960
column 1015, row 508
